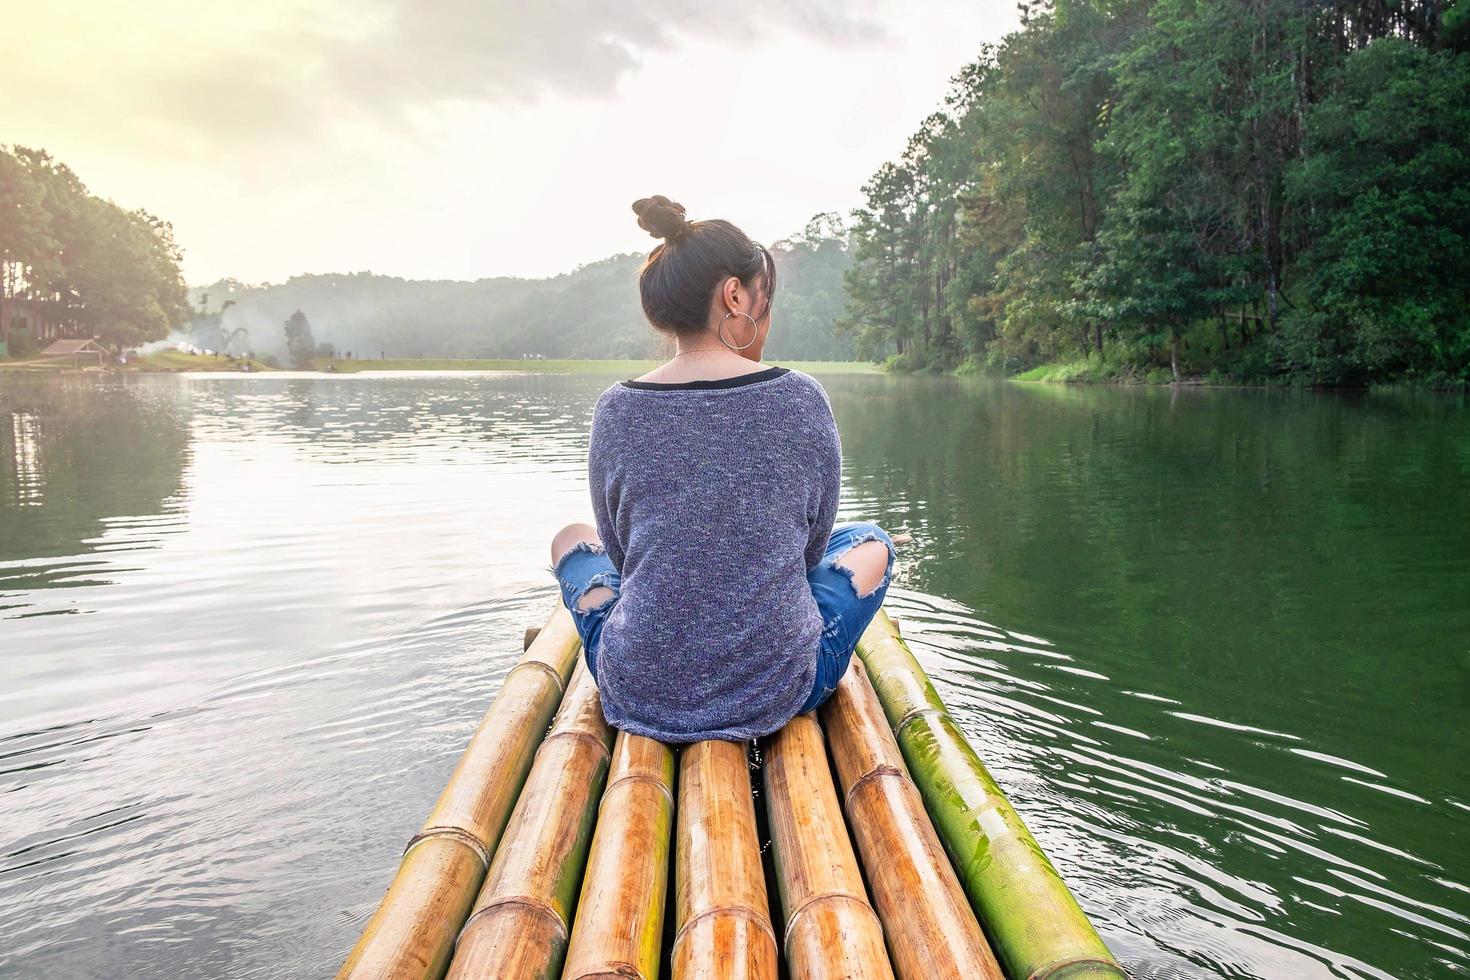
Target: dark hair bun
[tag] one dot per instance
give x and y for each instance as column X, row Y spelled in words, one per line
column 661, row 217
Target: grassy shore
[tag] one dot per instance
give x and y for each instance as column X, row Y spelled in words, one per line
column 161, row 362
column 555, row 366
column 172, row 361
column 177, row 360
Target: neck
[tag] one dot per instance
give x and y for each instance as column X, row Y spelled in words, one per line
column 707, row 345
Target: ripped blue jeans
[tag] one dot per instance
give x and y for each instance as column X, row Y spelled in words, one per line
column 845, row 614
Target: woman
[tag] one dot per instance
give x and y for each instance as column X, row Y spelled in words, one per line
column 714, row 597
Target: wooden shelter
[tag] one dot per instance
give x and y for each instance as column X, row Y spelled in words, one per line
column 76, row 349
column 551, row 851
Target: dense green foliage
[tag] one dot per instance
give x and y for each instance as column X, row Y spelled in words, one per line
column 591, row 312
column 1246, row 189
column 81, row 263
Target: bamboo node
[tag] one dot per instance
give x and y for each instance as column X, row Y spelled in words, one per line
column 534, row 905
column 757, row 916
column 457, row 833
column 820, row 899
column 545, row 668
column 880, row 770
column 611, row 971
column 912, row 713
column 640, row 777
column 575, row 733
column 1063, row 968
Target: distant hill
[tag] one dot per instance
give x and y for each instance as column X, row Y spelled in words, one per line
column 592, row 311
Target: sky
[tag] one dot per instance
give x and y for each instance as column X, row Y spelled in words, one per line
column 460, row 139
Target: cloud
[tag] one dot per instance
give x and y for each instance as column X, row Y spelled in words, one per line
column 197, row 81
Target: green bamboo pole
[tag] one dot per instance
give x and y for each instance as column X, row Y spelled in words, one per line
column 411, row 935
column 1033, row 920
column 930, row 928
column 620, row 914
column 519, row 928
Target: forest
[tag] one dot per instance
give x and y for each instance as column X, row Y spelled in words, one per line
column 1243, row 191
column 73, row 264
column 590, row 312
column 1231, row 190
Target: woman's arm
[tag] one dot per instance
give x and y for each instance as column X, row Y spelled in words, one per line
column 827, row 488
column 599, row 485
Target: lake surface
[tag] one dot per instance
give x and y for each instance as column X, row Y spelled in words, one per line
column 1214, row 644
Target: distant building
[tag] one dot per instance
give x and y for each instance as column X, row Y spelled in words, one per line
column 33, row 318
column 78, row 350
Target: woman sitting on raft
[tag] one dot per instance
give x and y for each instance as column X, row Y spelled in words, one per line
column 715, row 599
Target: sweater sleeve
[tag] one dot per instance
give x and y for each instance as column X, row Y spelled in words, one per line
column 822, row 511
column 600, row 472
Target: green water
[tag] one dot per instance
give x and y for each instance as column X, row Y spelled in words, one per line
column 1215, row 645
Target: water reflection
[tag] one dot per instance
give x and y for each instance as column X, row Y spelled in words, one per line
column 1211, row 643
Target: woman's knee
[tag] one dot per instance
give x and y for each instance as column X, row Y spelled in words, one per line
column 869, row 561
column 566, row 539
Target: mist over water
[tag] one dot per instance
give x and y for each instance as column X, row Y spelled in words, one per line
column 1212, row 644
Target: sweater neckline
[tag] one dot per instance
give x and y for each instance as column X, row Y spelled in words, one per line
column 707, row 384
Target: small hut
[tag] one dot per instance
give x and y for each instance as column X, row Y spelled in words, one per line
column 76, row 349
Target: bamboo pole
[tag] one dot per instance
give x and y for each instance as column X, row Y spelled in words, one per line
column 620, row 914
column 522, row 917
column 411, row 935
column 721, row 913
column 930, row 928
column 1039, row 930
column 831, row 931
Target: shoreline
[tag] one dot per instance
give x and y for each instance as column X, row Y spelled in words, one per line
column 177, row 363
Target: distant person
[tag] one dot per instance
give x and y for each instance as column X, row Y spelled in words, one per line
column 714, row 596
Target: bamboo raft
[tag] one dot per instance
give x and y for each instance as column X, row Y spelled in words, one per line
column 548, row 854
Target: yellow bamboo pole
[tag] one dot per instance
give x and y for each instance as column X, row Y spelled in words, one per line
column 930, row 928
column 831, row 932
column 721, row 913
column 519, row 928
column 411, row 935
column 1038, row 928
column 620, row 914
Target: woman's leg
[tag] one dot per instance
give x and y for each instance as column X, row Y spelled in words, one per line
column 869, row 562
column 564, row 542
column 849, row 585
column 588, row 581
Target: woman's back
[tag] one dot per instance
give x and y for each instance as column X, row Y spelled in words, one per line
column 713, row 499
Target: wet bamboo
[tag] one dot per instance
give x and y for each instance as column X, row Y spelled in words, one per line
column 721, row 914
column 1038, row 929
column 831, row 931
column 620, row 914
column 519, row 928
column 411, row 935
column 931, row 929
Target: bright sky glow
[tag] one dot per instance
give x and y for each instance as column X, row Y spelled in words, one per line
column 458, row 139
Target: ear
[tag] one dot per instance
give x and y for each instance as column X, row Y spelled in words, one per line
column 730, row 292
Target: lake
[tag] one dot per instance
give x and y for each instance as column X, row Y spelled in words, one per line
column 1214, row 644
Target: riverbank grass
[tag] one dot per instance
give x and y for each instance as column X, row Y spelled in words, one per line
column 177, row 360
column 551, row 365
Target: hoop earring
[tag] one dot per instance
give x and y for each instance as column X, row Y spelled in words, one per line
column 754, row 329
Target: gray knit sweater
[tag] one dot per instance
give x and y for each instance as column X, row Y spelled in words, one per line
column 713, row 499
